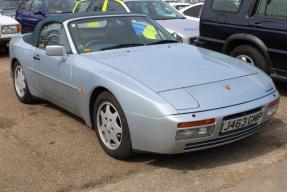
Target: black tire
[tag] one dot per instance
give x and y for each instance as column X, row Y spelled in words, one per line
column 26, row 98
column 257, row 58
column 124, row 151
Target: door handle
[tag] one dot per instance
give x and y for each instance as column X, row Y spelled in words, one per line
column 36, row 57
column 258, row 25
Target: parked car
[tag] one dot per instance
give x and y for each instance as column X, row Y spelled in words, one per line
column 31, row 12
column 253, row 31
column 8, row 7
column 185, row 30
column 9, row 28
column 192, row 12
column 180, row 6
column 137, row 92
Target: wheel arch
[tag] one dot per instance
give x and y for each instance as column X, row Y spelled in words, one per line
column 12, row 64
column 94, row 95
column 246, row 39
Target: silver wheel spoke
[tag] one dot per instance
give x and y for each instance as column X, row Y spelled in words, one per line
column 20, row 84
column 117, row 128
column 109, row 125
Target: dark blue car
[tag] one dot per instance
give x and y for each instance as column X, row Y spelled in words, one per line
column 31, row 12
column 254, row 31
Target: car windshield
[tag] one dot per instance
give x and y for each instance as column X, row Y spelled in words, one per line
column 10, row 4
column 98, row 34
column 157, row 10
column 63, row 6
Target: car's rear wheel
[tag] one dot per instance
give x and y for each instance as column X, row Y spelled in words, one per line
column 112, row 127
column 20, row 84
column 250, row 55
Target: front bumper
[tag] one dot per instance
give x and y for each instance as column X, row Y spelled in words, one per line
column 158, row 135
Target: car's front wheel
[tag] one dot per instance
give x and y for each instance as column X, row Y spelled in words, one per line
column 250, row 55
column 20, row 84
column 112, row 127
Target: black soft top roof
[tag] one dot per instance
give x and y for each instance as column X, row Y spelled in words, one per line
column 32, row 38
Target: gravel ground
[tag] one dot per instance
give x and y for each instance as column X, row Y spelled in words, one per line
column 44, row 148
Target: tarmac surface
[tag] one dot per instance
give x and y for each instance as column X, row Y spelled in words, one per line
column 44, row 148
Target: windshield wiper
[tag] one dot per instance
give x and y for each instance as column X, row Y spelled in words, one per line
column 122, row 46
column 163, row 42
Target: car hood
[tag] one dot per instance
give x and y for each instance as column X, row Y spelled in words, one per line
column 5, row 20
column 171, row 66
column 184, row 27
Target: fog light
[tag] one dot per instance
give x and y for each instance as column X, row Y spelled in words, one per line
column 202, row 131
column 195, row 133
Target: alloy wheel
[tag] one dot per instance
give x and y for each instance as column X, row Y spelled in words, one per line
column 20, row 81
column 109, row 125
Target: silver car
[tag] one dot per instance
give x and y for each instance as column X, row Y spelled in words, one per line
column 140, row 92
column 183, row 29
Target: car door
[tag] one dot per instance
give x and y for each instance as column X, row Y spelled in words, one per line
column 220, row 19
column 269, row 23
column 53, row 74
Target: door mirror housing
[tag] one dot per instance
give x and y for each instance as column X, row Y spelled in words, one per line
column 56, row 50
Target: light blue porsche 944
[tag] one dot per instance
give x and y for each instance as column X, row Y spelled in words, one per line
column 140, row 89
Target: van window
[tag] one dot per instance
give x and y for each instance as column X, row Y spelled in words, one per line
column 226, row 5
column 96, row 6
column 272, row 8
column 26, row 5
column 36, row 5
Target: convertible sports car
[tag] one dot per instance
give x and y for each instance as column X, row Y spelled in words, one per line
column 140, row 93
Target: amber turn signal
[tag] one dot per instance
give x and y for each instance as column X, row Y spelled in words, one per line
column 274, row 102
column 196, row 123
column 18, row 27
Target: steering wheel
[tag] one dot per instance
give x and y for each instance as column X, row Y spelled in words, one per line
column 93, row 42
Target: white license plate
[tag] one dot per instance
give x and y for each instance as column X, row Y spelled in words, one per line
column 240, row 122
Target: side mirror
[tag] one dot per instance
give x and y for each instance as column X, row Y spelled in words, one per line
column 56, row 50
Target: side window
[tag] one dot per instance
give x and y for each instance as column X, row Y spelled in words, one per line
column 226, row 5
column 36, row 5
column 194, row 11
column 64, row 41
column 50, row 35
column 96, row 6
column 26, row 5
column 53, row 34
column 272, row 8
column 115, row 6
